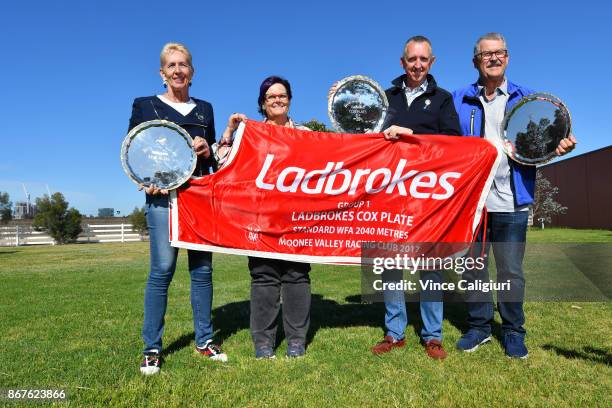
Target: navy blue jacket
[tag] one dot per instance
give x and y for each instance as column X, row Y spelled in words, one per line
column 471, row 111
column 199, row 122
column 431, row 113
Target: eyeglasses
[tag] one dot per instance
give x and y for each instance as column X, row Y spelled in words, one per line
column 487, row 55
column 281, row 97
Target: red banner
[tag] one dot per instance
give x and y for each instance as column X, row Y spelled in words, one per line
column 315, row 196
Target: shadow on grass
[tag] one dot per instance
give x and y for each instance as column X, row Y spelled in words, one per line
column 324, row 313
column 588, row 353
column 179, row 344
column 230, row 319
column 227, row 320
column 327, row 313
column 455, row 311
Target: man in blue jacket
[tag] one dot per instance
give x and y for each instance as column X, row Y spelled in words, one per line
column 481, row 107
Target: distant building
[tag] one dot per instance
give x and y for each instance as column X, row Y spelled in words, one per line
column 584, row 188
column 24, row 210
column 106, row 212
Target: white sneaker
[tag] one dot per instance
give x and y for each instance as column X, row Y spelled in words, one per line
column 151, row 363
column 212, row 351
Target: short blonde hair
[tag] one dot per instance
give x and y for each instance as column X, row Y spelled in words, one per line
column 170, row 48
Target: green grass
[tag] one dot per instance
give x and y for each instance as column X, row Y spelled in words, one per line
column 70, row 318
column 568, row 235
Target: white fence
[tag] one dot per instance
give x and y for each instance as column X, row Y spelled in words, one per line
column 110, row 233
column 25, row 235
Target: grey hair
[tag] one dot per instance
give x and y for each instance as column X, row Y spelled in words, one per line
column 418, row 39
column 489, row 36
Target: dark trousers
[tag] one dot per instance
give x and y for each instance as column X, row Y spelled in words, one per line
column 507, row 233
column 271, row 279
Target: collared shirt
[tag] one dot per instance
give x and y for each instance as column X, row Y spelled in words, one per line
column 293, row 125
column 501, row 197
column 412, row 94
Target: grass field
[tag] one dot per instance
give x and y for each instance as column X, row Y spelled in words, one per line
column 70, row 318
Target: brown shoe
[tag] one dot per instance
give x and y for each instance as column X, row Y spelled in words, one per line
column 388, row 344
column 434, row 349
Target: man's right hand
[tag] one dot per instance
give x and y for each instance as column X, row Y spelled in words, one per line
column 394, row 132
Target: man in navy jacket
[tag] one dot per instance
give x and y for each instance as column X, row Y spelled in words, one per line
column 481, row 107
column 416, row 105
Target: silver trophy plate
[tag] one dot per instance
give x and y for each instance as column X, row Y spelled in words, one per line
column 358, row 105
column 158, row 152
column 534, row 127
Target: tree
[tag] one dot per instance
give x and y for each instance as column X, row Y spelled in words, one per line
column 315, row 125
column 534, row 142
column 139, row 221
column 6, row 205
column 544, row 203
column 53, row 216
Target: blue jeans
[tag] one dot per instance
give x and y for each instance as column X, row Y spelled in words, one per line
column 396, row 318
column 508, row 232
column 163, row 265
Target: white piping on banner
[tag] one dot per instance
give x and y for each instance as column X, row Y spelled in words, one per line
column 486, row 188
column 174, row 214
column 333, row 260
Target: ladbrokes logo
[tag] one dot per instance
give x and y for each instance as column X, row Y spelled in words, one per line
column 335, row 180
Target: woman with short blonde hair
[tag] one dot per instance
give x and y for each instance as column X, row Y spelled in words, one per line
column 196, row 117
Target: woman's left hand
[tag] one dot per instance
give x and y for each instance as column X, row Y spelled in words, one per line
column 201, row 147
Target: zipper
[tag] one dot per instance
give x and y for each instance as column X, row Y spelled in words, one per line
column 472, row 122
column 473, row 116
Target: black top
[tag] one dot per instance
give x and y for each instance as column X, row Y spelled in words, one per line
column 432, row 112
column 199, row 122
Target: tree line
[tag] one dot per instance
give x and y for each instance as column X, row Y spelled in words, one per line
column 63, row 223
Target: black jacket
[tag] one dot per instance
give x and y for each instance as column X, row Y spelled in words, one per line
column 199, row 122
column 432, row 113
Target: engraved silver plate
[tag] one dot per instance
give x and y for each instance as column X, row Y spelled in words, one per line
column 534, row 127
column 358, row 105
column 158, row 152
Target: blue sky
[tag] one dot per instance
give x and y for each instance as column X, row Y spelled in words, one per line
column 72, row 69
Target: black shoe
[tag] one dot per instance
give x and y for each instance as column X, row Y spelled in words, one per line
column 514, row 345
column 264, row 353
column 296, row 349
column 471, row 340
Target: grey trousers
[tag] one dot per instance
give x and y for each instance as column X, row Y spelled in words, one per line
column 271, row 279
